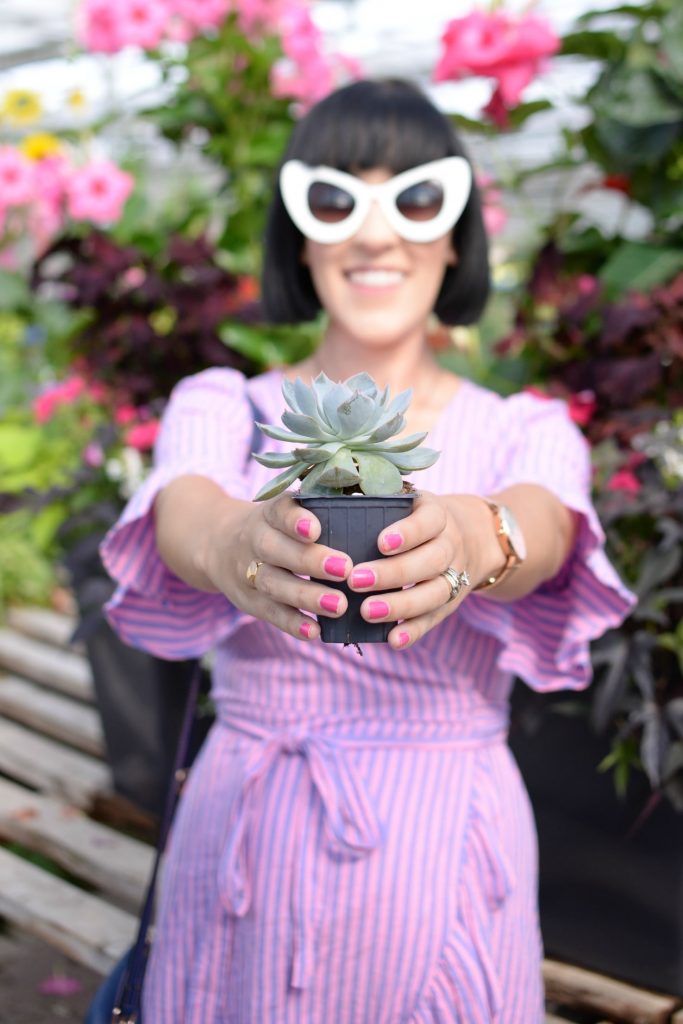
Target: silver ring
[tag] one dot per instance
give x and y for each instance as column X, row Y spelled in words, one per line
column 456, row 581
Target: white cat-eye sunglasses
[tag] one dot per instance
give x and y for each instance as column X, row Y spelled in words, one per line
column 420, row 204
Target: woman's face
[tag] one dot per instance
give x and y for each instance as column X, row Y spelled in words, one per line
column 377, row 288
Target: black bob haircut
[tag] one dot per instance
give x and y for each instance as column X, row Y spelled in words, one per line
column 387, row 123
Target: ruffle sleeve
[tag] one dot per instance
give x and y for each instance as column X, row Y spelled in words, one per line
column 207, row 429
column 545, row 635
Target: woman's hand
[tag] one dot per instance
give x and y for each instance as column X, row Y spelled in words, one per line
column 279, row 538
column 440, row 533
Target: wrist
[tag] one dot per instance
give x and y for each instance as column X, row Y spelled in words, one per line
column 219, row 543
column 474, row 522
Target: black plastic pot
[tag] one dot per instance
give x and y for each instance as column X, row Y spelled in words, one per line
column 352, row 523
column 611, row 874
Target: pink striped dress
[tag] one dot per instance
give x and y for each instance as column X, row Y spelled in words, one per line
column 355, row 844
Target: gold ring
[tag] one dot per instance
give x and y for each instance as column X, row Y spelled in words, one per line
column 456, row 581
column 252, row 569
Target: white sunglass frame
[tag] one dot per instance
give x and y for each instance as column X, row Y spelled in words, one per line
column 453, row 173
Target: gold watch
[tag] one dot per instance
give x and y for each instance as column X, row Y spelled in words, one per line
column 511, row 540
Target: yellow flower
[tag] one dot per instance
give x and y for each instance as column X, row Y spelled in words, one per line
column 40, row 146
column 76, row 99
column 21, row 106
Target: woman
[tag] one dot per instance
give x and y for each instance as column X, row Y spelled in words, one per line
column 355, row 844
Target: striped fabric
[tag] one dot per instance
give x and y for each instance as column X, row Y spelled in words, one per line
column 355, row 844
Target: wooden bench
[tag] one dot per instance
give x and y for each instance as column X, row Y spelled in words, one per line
column 53, row 779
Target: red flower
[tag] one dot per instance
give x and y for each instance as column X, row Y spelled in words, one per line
column 624, row 480
column 618, row 182
column 142, row 436
column 582, row 407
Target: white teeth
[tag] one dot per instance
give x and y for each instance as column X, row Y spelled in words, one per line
column 376, row 278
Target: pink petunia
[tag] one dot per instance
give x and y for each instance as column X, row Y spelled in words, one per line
column 141, row 22
column 98, row 192
column 202, row 14
column 63, row 393
column 98, row 27
column 125, row 414
column 582, row 406
column 17, row 178
column 624, row 480
column 496, row 45
column 143, row 435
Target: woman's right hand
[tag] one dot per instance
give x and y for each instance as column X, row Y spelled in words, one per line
column 281, row 537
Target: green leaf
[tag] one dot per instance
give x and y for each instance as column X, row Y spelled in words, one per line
column 377, row 475
column 281, row 482
column 280, row 434
column 339, row 471
column 639, row 267
column 275, row 460
column 321, row 453
column 517, row 116
column 14, row 291
column 19, row 446
column 597, row 45
column 418, row 458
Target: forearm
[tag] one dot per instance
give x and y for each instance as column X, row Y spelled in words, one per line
column 549, row 529
column 190, row 513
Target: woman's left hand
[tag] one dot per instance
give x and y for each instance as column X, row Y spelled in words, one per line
column 433, row 538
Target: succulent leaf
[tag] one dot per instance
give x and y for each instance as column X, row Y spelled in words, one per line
column 311, row 483
column 280, row 482
column 335, row 397
column 401, row 402
column 305, row 398
column 386, row 428
column 362, row 382
column 275, row 460
column 309, row 426
column 340, row 470
column 419, row 458
column 405, row 443
column 278, row 434
column 354, row 413
column 377, row 476
column 320, row 454
column 290, row 395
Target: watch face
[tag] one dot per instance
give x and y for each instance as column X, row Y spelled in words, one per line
column 513, row 532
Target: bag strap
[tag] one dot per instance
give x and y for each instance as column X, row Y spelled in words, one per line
column 129, row 991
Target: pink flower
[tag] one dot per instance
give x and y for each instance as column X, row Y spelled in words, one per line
column 98, row 191
column 496, row 45
column 63, row 393
column 143, row 435
column 495, row 216
column 17, row 178
column 98, row 27
column 202, row 14
column 624, row 480
column 93, row 455
column 125, row 414
column 141, row 22
column 582, row 407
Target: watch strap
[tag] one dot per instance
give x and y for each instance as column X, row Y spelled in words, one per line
column 511, row 560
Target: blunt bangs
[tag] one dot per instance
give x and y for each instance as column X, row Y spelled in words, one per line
column 391, row 124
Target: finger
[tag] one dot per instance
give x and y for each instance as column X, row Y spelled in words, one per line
column 407, row 633
column 285, row 588
column 276, row 548
column 407, row 604
column 286, row 515
column 427, row 520
column 414, row 566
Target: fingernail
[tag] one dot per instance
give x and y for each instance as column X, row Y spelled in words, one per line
column 403, row 639
column 330, row 602
column 392, row 541
column 305, row 629
column 363, row 578
column 377, row 609
column 303, row 527
column 335, row 566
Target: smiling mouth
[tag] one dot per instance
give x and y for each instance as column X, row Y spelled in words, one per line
column 375, row 278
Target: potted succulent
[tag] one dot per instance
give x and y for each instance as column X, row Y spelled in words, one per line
column 350, row 463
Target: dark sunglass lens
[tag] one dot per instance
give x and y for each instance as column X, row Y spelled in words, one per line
column 421, row 202
column 329, row 203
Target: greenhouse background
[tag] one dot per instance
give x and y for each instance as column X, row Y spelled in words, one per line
column 134, row 177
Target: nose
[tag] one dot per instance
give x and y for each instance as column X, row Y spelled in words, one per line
column 375, row 231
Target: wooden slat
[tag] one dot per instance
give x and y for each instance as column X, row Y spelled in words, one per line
column 43, row 624
column 51, row 767
column 112, row 862
column 50, row 713
column 576, row 987
column 64, row 671
column 82, row 926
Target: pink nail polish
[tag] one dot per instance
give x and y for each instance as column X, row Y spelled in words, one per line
column 335, row 566
column 303, row 527
column 330, row 602
column 305, row 629
column 392, row 541
column 403, row 639
column 363, row 578
column 378, row 609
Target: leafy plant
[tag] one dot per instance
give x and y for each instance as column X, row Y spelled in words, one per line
column 347, row 429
